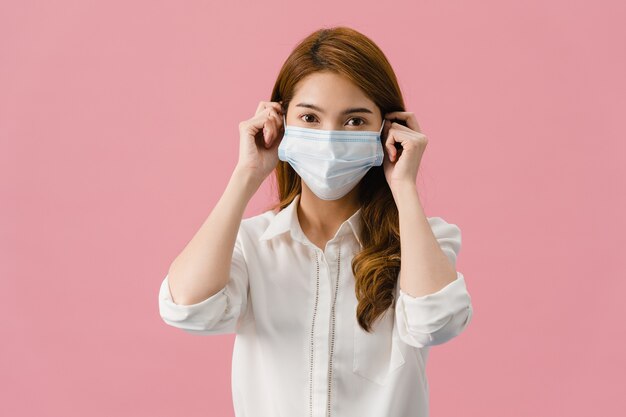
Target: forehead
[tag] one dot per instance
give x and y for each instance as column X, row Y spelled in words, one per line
column 330, row 91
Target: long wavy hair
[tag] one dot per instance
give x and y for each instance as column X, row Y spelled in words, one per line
column 349, row 53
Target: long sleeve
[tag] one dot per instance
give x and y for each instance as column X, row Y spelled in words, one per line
column 218, row 314
column 433, row 319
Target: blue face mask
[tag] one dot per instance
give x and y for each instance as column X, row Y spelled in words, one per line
column 330, row 162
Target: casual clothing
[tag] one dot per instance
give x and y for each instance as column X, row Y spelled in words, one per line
column 299, row 350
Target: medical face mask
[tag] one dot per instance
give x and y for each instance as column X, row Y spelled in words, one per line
column 330, row 162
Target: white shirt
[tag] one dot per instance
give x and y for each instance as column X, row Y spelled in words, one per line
column 299, row 350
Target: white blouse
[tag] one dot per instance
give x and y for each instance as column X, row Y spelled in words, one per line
column 299, row 350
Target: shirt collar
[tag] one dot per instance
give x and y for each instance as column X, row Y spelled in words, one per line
column 287, row 220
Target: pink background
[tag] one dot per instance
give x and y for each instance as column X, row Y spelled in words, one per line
column 119, row 130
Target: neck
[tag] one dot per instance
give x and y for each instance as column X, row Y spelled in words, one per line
column 323, row 218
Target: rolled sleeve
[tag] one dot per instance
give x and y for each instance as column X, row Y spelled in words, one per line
column 435, row 318
column 218, row 314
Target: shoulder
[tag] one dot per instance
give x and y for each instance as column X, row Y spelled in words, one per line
column 448, row 236
column 439, row 222
column 443, row 229
column 254, row 226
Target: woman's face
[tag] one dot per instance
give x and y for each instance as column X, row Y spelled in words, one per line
column 329, row 101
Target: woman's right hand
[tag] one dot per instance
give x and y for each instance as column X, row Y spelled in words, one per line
column 259, row 140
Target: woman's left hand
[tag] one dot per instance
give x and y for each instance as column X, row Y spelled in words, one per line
column 401, row 165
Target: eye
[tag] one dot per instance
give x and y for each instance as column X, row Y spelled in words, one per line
column 358, row 118
column 305, row 115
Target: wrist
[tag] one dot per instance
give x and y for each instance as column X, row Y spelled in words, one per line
column 405, row 193
column 401, row 187
column 246, row 179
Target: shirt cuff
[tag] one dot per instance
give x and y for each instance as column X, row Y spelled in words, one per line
column 195, row 318
column 437, row 317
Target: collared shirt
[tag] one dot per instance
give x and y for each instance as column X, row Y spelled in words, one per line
column 299, row 350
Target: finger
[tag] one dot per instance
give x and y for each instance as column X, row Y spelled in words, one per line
column 279, row 131
column 257, row 124
column 408, row 117
column 268, row 104
column 259, row 109
column 389, row 134
column 269, row 128
column 389, row 145
column 265, row 104
column 273, row 126
column 277, row 106
column 280, row 125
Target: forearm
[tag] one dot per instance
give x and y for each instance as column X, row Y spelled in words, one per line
column 425, row 269
column 203, row 267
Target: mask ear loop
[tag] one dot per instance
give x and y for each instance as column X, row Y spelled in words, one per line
column 380, row 132
column 380, row 148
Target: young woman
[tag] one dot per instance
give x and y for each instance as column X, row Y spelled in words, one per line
column 327, row 322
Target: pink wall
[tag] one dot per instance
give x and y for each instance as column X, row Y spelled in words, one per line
column 118, row 132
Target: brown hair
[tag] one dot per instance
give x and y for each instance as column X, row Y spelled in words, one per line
column 349, row 53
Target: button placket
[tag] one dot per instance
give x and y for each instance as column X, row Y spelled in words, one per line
column 332, row 339
column 312, row 345
column 323, row 336
column 320, row 339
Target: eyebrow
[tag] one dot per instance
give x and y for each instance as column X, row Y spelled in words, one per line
column 346, row 111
